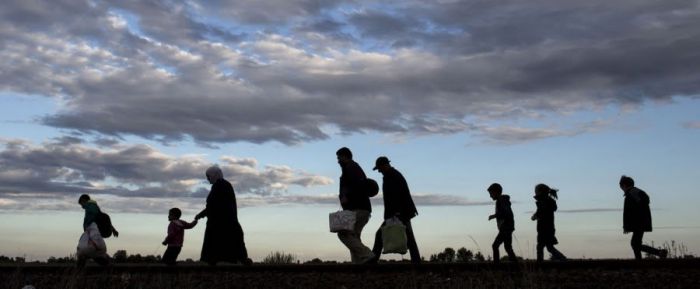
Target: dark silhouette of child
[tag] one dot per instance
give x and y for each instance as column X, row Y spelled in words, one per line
column 637, row 218
column 546, row 206
column 505, row 222
column 176, row 236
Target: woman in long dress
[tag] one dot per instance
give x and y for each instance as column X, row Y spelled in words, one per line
column 223, row 237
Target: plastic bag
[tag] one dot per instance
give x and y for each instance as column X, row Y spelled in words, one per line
column 342, row 221
column 394, row 237
column 91, row 244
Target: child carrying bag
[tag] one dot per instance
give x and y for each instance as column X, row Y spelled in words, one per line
column 394, row 237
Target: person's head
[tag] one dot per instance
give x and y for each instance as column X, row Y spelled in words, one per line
column 626, row 182
column 84, row 198
column 495, row 190
column 344, row 155
column 174, row 214
column 544, row 190
column 213, row 174
column 382, row 164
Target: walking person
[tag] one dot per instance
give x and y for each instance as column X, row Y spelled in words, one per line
column 397, row 203
column 176, row 236
column 223, row 237
column 353, row 196
column 637, row 218
column 546, row 206
column 92, row 244
column 504, row 221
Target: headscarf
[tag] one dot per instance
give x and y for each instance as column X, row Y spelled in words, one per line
column 214, row 173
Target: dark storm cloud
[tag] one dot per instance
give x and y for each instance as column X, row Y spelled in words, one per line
column 66, row 168
column 268, row 11
column 206, row 72
column 378, row 24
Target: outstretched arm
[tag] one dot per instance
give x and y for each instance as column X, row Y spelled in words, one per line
column 187, row 225
column 202, row 214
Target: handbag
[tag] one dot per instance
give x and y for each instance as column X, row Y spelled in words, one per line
column 394, row 237
column 342, row 221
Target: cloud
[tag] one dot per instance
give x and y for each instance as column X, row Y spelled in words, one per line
column 446, row 200
column 512, row 135
column 121, row 204
column 299, row 71
column 68, row 167
column 692, row 125
column 591, row 210
column 586, row 210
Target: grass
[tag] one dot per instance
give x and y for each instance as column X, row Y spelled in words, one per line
column 278, row 257
column 672, row 273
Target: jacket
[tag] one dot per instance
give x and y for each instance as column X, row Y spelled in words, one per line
column 636, row 214
column 352, row 187
column 504, row 214
column 397, row 196
column 176, row 232
column 546, row 206
column 91, row 212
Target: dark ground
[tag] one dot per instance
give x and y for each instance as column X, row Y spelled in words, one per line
column 676, row 273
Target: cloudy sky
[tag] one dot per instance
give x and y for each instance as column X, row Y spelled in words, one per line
column 130, row 101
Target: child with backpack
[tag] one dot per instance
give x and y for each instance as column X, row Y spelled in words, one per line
column 504, row 221
column 546, row 205
column 96, row 226
column 176, row 236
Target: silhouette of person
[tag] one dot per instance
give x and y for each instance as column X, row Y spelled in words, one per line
column 504, row 221
column 637, row 218
column 546, row 205
column 397, row 203
column 223, row 236
column 176, row 236
column 353, row 196
column 96, row 247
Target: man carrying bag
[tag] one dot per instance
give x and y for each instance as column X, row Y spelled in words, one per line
column 354, row 197
column 398, row 204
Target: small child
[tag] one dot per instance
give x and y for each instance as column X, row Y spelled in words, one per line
column 546, row 205
column 505, row 222
column 176, row 236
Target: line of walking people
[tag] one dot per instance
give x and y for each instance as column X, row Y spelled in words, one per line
column 224, row 240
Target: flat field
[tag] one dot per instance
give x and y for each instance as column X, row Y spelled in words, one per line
column 684, row 273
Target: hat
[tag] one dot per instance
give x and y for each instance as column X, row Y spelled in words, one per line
column 380, row 161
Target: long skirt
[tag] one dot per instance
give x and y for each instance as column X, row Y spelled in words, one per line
column 223, row 243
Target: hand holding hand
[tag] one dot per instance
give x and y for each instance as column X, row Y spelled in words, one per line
column 491, row 217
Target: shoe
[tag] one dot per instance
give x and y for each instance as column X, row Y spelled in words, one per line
column 371, row 260
column 663, row 253
column 247, row 262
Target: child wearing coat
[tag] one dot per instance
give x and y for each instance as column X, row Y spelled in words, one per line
column 546, row 205
column 637, row 218
column 176, row 236
column 504, row 221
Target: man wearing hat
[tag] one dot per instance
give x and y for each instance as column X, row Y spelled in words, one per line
column 397, row 202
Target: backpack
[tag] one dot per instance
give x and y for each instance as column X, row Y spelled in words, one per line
column 104, row 224
column 371, row 187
